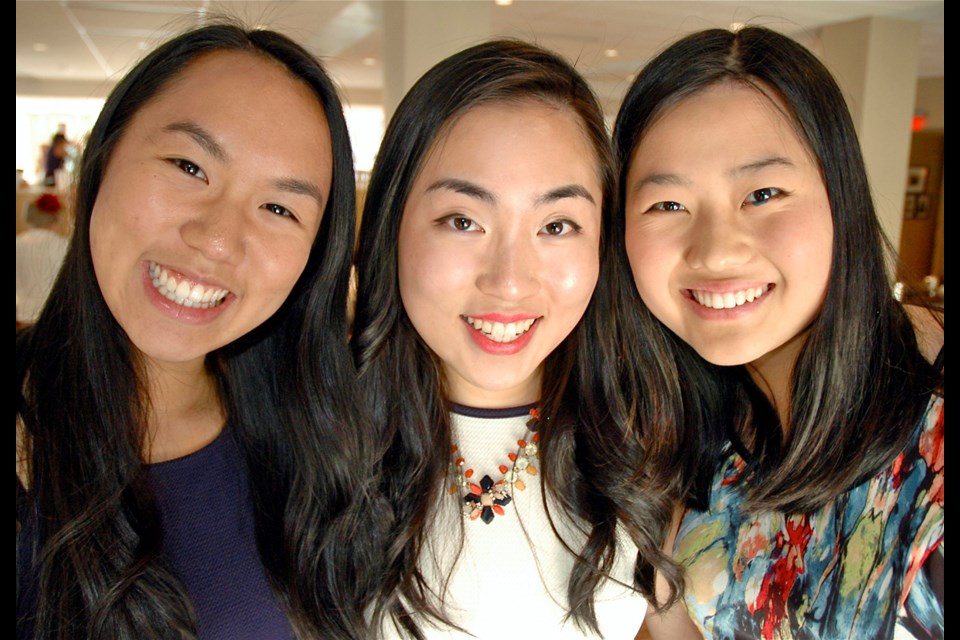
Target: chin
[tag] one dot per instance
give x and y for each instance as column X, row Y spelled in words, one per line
column 725, row 357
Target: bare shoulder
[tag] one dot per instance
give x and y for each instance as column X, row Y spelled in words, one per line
column 23, row 453
column 928, row 326
column 672, row 623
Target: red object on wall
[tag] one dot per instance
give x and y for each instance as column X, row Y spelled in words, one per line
column 48, row 203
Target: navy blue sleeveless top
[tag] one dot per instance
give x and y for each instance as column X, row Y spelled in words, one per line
column 208, row 542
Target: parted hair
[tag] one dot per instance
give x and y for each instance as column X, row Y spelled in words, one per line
column 860, row 384
column 401, row 376
column 92, row 567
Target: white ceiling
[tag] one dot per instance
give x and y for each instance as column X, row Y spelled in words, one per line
column 94, row 42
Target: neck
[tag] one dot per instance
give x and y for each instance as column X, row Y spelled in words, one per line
column 464, row 393
column 773, row 374
column 185, row 409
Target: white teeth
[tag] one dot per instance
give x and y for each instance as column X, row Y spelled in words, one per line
column 498, row 331
column 729, row 300
column 182, row 293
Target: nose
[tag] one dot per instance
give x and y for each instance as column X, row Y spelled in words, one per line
column 216, row 231
column 718, row 243
column 511, row 270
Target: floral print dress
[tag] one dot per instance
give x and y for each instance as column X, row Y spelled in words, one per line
column 850, row 570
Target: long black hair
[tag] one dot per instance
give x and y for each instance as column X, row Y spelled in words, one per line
column 287, row 389
column 401, row 376
column 859, row 384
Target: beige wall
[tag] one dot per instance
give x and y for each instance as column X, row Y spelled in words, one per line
column 875, row 61
column 930, row 101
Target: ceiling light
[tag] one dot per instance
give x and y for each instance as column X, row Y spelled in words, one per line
column 611, row 53
column 503, row 3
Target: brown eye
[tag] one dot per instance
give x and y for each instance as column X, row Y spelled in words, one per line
column 668, row 206
column 762, row 196
column 460, row 223
column 190, row 168
column 560, row 228
column 279, row 210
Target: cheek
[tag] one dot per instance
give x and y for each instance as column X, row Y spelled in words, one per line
column 806, row 249
column 422, row 279
column 105, row 236
column 432, row 266
column 576, row 276
column 646, row 260
column 279, row 271
column 123, row 217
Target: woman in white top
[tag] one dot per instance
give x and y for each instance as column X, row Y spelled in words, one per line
column 479, row 254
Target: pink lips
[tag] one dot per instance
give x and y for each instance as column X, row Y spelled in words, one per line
column 176, row 311
column 501, row 348
column 739, row 311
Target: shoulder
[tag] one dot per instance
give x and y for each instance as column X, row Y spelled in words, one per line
column 928, row 326
column 23, row 452
column 36, row 237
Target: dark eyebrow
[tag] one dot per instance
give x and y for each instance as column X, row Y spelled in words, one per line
column 659, row 179
column 201, row 136
column 763, row 163
column 301, row 187
column 676, row 180
column 476, row 191
column 464, row 187
column 566, row 191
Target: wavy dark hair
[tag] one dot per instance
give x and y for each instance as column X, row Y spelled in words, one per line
column 287, row 389
column 860, row 381
column 400, row 374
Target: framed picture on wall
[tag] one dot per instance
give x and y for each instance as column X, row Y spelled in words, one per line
column 910, row 206
column 917, row 179
column 923, row 206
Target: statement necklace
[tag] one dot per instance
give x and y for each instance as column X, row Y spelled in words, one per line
column 488, row 498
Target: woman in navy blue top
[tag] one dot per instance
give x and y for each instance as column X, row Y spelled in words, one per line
column 177, row 475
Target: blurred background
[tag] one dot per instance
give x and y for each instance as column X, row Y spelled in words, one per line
column 887, row 55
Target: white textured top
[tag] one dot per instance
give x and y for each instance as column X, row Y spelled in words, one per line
column 510, row 581
column 40, row 253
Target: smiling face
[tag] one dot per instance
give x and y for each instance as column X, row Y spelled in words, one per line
column 210, row 204
column 499, row 247
column 728, row 227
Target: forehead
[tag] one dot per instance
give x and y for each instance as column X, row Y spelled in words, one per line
column 214, row 81
column 246, row 101
column 491, row 134
column 753, row 110
column 482, row 120
column 723, row 125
